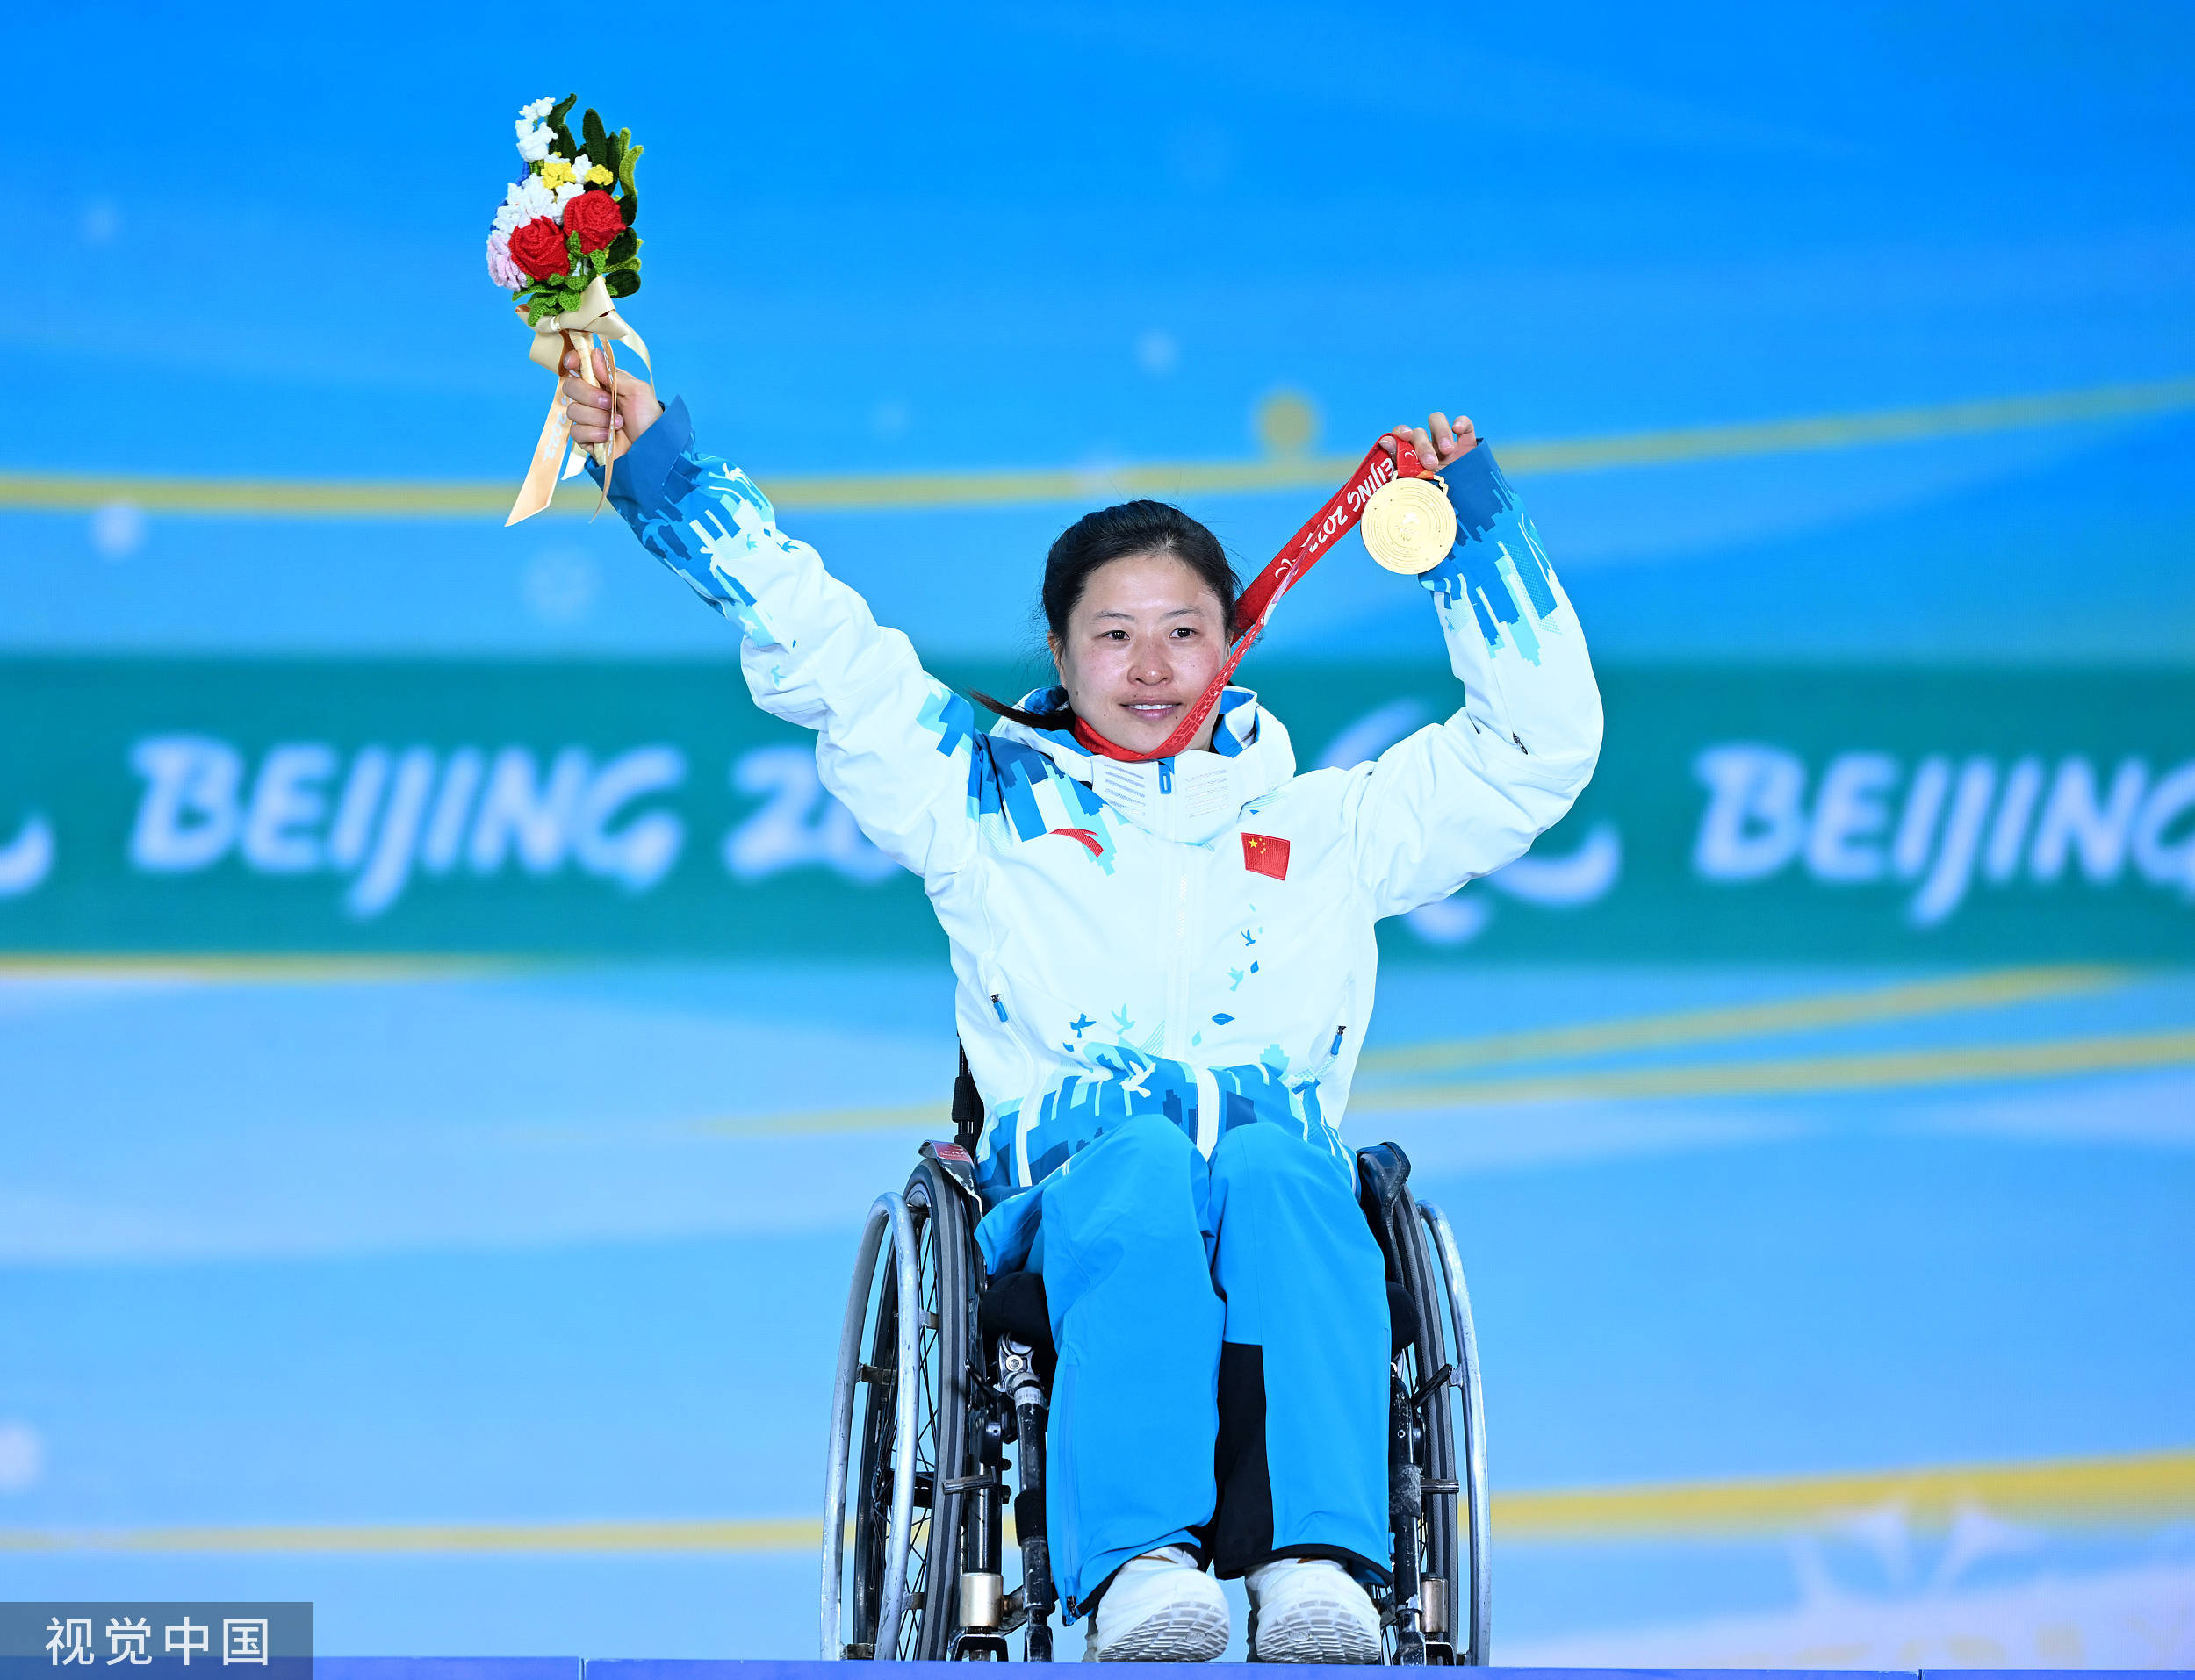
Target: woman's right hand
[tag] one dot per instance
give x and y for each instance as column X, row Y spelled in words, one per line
column 1438, row 443
column 598, row 414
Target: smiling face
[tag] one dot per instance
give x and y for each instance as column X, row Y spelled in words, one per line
column 1145, row 640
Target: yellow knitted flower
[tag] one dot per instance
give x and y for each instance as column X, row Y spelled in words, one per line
column 555, row 171
column 599, row 177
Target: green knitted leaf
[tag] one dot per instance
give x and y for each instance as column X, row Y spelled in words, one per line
column 624, row 249
column 625, row 167
column 565, row 147
column 622, row 284
column 591, row 132
column 628, row 207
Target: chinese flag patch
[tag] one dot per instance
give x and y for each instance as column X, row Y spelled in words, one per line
column 1262, row 854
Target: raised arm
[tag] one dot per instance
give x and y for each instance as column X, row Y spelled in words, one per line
column 892, row 742
column 1459, row 799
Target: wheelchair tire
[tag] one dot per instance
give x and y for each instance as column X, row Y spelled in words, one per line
column 905, row 1357
column 1437, row 1535
column 1473, row 1631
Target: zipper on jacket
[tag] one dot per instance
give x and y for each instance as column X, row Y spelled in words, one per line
column 1325, row 1063
column 1333, row 1053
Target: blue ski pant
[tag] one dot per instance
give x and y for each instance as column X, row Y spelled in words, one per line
column 1223, row 1347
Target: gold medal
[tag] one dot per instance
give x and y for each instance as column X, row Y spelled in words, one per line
column 1408, row 525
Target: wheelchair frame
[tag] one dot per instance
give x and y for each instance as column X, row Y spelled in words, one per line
column 940, row 1400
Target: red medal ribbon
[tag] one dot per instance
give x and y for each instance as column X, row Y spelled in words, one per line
column 1254, row 607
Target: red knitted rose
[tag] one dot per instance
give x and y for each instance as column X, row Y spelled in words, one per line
column 593, row 217
column 538, row 247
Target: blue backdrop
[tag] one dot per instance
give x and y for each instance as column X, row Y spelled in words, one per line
column 489, row 1305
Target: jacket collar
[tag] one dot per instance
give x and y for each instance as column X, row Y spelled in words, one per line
column 1191, row 797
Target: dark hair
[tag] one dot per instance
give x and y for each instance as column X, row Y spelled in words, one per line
column 1114, row 534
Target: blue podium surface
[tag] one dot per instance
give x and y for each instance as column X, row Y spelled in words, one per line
column 571, row 1667
column 642, row 1670
column 447, row 1668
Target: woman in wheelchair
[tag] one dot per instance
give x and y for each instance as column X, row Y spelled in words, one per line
column 1165, row 968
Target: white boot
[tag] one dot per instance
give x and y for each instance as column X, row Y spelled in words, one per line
column 1159, row 1608
column 1308, row 1610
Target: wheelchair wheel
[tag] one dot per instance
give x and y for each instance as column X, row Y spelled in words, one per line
column 905, row 1353
column 1472, row 1598
column 1423, row 1410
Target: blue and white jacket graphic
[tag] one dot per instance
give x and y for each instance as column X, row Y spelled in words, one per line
column 1102, row 971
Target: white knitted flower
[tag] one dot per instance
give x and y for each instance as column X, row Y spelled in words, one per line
column 533, row 140
column 506, row 273
column 528, row 198
column 540, row 108
column 566, row 194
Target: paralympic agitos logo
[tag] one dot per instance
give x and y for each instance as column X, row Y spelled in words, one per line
column 26, row 857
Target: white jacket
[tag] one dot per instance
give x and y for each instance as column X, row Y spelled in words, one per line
column 1104, row 970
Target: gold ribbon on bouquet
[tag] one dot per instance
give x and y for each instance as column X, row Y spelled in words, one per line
column 554, row 335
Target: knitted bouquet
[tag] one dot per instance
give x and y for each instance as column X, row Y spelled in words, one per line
column 562, row 243
column 570, row 222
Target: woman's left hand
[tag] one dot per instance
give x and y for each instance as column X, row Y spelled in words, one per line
column 1436, row 441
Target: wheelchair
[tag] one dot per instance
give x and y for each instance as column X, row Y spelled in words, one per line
column 942, row 1369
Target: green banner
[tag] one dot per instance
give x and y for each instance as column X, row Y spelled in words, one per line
column 169, row 805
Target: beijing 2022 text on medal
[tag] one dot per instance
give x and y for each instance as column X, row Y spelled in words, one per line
column 1408, row 525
